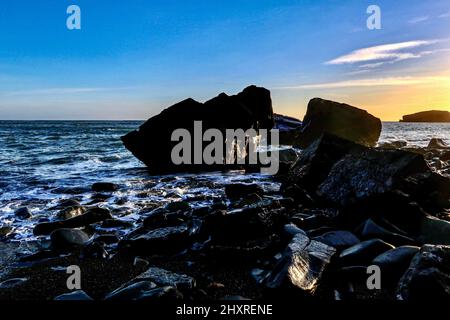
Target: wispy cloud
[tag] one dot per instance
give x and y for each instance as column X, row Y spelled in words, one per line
column 375, row 82
column 63, row 91
column 419, row 19
column 385, row 52
column 444, row 15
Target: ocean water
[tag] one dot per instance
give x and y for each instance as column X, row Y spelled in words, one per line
column 43, row 162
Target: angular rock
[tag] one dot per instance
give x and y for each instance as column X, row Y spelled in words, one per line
column 250, row 108
column 93, row 215
column 131, row 291
column 364, row 252
column 63, row 239
column 369, row 174
column 289, row 129
column 393, row 263
column 339, row 119
column 434, row 231
column 316, row 161
column 436, row 143
column 302, row 264
column 240, row 190
column 428, row 276
column 70, row 212
column 163, row 277
column 160, row 240
column 371, row 230
column 338, row 239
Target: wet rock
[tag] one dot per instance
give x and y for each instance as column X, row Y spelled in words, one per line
column 250, row 108
column 240, row 190
column 369, row 174
column 245, row 223
column 434, row 231
column 93, row 215
column 166, row 293
column 63, row 239
column 164, row 277
column 160, row 240
column 290, row 230
column 428, row 276
column 249, row 200
column 67, row 203
column 302, row 264
column 338, row 239
column 95, row 250
column 5, row 231
column 364, row 252
column 178, row 206
column 70, row 212
column 162, row 218
column 133, row 291
column 10, row 283
column 316, row 161
column 23, row 213
column 393, row 263
column 371, row 230
column 104, row 187
column 436, row 143
column 116, row 223
column 339, row 119
column 78, row 295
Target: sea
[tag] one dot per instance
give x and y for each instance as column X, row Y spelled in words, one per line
column 44, row 162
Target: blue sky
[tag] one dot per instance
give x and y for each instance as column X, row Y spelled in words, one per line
column 132, row 59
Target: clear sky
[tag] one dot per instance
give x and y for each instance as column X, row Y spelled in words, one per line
column 131, row 59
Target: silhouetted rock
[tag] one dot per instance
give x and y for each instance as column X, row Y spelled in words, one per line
column 427, row 116
column 364, row 252
column 339, row 119
column 151, row 143
column 428, row 276
column 23, row 213
column 289, row 129
column 436, row 143
column 104, row 187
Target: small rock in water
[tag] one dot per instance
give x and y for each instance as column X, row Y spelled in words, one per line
column 241, row 190
column 178, row 206
column 5, row 231
column 436, row 143
column 78, row 295
column 163, row 277
column 23, row 213
column 104, row 187
column 63, row 239
column 70, row 212
column 140, row 263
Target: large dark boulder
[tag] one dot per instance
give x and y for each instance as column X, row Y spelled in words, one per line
column 316, row 161
column 340, row 119
column 289, row 129
column 428, row 275
column 151, row 143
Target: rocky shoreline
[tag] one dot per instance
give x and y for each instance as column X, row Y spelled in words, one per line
column 336, row 207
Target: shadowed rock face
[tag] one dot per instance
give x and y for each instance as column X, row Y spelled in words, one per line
column 151, row 143
column 339, row 119
column 427, row 116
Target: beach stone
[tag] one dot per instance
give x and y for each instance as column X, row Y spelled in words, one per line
column 364, row 252
column 63, row 239
column 160, row 240
column 11, row 283
column 163, row 218
column 371, row 230
column 164, row 277
column 5, row 231
column 94, row 250
column 70, row 212
column 23, row 213
column 368, row 175
column 104, row 187
column 178, row 206
column 393, row 263
column 77, row 295
column 166, row 293
column 434, row 231
column 339, row 240
column 140, row 263
column 315, row 162
column 91, row 216
column 107, row 238
column 428, row 276
column 398, row 144
column 437, row 143
column 342, row 120
column 290, row 230
column 240, row 190
column 132, row 291
column 252, row 108
column 116, row 223
column 301, row 265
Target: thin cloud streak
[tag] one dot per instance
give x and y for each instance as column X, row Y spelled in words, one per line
column 419, row 19
column 376, row 82
column 390, row 52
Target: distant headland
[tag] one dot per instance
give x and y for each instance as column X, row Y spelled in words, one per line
column 427, row 116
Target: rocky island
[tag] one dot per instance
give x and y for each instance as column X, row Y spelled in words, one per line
column 427, row 116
